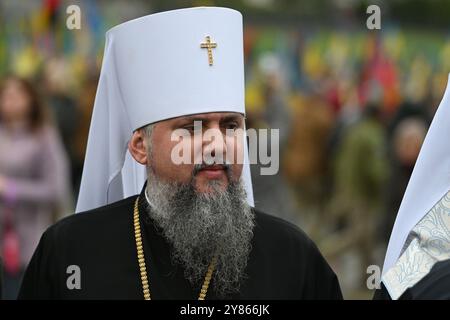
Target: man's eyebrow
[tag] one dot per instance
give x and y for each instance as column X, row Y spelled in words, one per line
column 232, row 117
column 206, row 119
column 189, row 119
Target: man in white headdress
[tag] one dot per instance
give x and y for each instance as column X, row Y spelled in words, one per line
column 191, row 232
column 417, row 260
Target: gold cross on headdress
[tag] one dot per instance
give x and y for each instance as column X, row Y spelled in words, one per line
column 209, row 45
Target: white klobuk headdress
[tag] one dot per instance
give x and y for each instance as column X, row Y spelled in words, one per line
column 157, row 67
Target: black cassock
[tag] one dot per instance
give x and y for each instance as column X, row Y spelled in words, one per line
column 283, row 264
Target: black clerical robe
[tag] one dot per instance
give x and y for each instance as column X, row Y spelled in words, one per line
column 99, row 247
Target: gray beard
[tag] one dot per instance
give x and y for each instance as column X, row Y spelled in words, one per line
column 203, row 225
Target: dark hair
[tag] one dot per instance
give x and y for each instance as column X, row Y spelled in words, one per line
column 38, row 115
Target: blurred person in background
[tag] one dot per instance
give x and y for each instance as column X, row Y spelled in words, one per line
column 79, row 141
column 359, row 174
column 306, row 158
column 272, row 192
column 34, row 184
column 407, row 132
column 64, row 109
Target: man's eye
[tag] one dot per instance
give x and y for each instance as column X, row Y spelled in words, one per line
column 231, row 125
column 189, row 127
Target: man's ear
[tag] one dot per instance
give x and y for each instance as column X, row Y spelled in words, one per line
column 137, row 147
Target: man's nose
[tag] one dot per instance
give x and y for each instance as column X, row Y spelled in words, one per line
column 214, row 145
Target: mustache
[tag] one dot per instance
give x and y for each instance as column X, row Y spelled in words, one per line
column 199, row 167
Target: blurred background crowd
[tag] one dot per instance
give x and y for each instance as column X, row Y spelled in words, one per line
column 352, row 105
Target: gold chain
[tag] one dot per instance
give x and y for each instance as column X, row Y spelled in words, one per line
column 141, row 260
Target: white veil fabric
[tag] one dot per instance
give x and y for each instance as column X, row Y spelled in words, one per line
column 429, row 182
